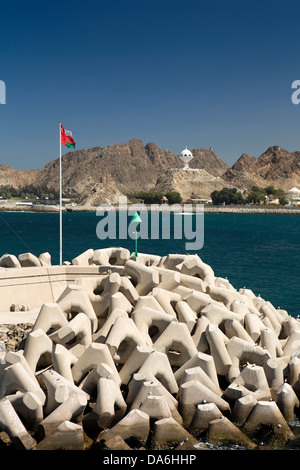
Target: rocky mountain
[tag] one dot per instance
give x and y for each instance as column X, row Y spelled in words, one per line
column 196, row 181
column 276, row 166
column 209, row 161
column 16, row 178
column 102, row 174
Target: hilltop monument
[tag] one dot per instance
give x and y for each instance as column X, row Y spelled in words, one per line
column 195, row 181
column 186, row 156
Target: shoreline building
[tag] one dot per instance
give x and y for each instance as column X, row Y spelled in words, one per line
column 293, row 194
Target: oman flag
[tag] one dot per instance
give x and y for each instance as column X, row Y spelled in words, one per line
column 66, row 138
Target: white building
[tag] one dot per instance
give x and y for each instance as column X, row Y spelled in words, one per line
column 186, row 156
column 293, row 193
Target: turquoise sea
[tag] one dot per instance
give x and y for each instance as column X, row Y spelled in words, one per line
column 259, row 251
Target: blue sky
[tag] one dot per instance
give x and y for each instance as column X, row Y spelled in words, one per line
column 177, row 73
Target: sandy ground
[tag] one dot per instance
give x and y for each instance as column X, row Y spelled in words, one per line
column 8, row 318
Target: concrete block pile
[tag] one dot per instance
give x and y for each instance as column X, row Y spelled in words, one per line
column 158, row 353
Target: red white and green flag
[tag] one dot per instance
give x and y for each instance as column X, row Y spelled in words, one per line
column 66, row 138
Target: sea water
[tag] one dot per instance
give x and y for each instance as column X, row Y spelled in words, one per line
column 257, row 251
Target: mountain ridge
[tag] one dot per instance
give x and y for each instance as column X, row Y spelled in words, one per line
column 102, row 174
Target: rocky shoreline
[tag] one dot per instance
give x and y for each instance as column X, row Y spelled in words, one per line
column 13, row 335
column 208, row 209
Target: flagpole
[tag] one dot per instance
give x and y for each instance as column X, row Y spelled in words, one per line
column 60, row 199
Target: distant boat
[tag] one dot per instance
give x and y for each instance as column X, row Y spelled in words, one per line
column 183, row 213
column 24, row 204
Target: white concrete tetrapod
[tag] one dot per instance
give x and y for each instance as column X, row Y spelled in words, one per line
column 167, row 300
column 63, row 360
column 50, row 317
column 76, row 336
column 234, row 328
column 67, row 436
column 199, row 336
column 45, row 259
column 176, row 343
column 218, row 349
column 274, row 375
column 29, row 408
column 123, row 337
column 193, row 282
column 197, row 301
column 204, row 414
column 242, row 408
column 153, row 388
column 150, row 302
column 223, row 431
column 156, row 407
column 186, row 315
column 203, row 360
column 294, row 370
column 270, row 313
column 139, row 380
column 38, row 349
column 253, row 325
column 287, row 402
column 28, row 259
column 110, row 405
column 13, row 426
column 193, row 393
column 58, row 389
column 151, row 323
column 128, row 289
column 253, row 378
column 9, row 261
column 174, row 261
column 196, row 267
column 95, row 354
column 158, row 364
column 75, row 300
column 197, row 373
column 119, row 301
column 266, row 413
column 84, row 259
column 134, row 362
column 101, row 335
column 168, row 433
column 16, row 378
column 99, row 290
column 218, row 314
column 134, row 424
column 144, row 277
column 270, row 341
column 113, row 256
column 293, row 343
column 89, row 383
column 241, row 352
column 12, row 357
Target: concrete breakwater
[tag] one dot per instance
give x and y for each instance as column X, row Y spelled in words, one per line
column 207, row 208
column 151, row 353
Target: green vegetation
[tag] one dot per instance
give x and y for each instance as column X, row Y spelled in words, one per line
column 256, row 195
column 227, row 196
column 155, row 198
column 29, row 191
